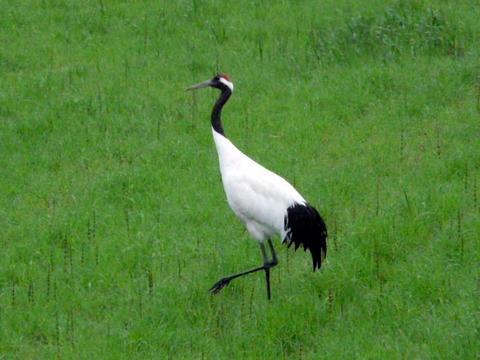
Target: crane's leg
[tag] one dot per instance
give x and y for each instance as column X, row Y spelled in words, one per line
column 271, row 264
column 272, row 250
column 267, row 265
column 267, row 269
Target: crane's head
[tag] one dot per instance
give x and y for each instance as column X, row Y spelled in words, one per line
column 220, row 81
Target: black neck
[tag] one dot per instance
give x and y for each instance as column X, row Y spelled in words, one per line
column 217, row 109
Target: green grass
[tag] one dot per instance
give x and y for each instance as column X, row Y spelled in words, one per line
column 113, row 221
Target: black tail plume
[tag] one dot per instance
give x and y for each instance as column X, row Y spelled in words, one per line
column 304, row 225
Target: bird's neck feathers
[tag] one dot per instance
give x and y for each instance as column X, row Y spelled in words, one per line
column 226, row 150
column 228, row 154
column 217, row 110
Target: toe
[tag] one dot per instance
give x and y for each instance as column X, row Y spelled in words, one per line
column 219, row 285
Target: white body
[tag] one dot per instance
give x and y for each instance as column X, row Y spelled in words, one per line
column 259, row 197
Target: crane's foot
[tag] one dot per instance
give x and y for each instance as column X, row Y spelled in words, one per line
column 219, row 285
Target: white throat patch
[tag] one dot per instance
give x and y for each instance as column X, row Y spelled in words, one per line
column 226, row 82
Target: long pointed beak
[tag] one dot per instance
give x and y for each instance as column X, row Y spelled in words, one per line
column 200, row 86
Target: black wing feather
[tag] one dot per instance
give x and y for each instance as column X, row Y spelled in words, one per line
column 304, row 226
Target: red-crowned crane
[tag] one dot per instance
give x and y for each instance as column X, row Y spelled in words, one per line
column 265, row 202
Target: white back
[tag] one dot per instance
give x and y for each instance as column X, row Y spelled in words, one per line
column 256, row 195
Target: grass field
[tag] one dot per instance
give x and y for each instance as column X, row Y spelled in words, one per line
column 113, row 220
